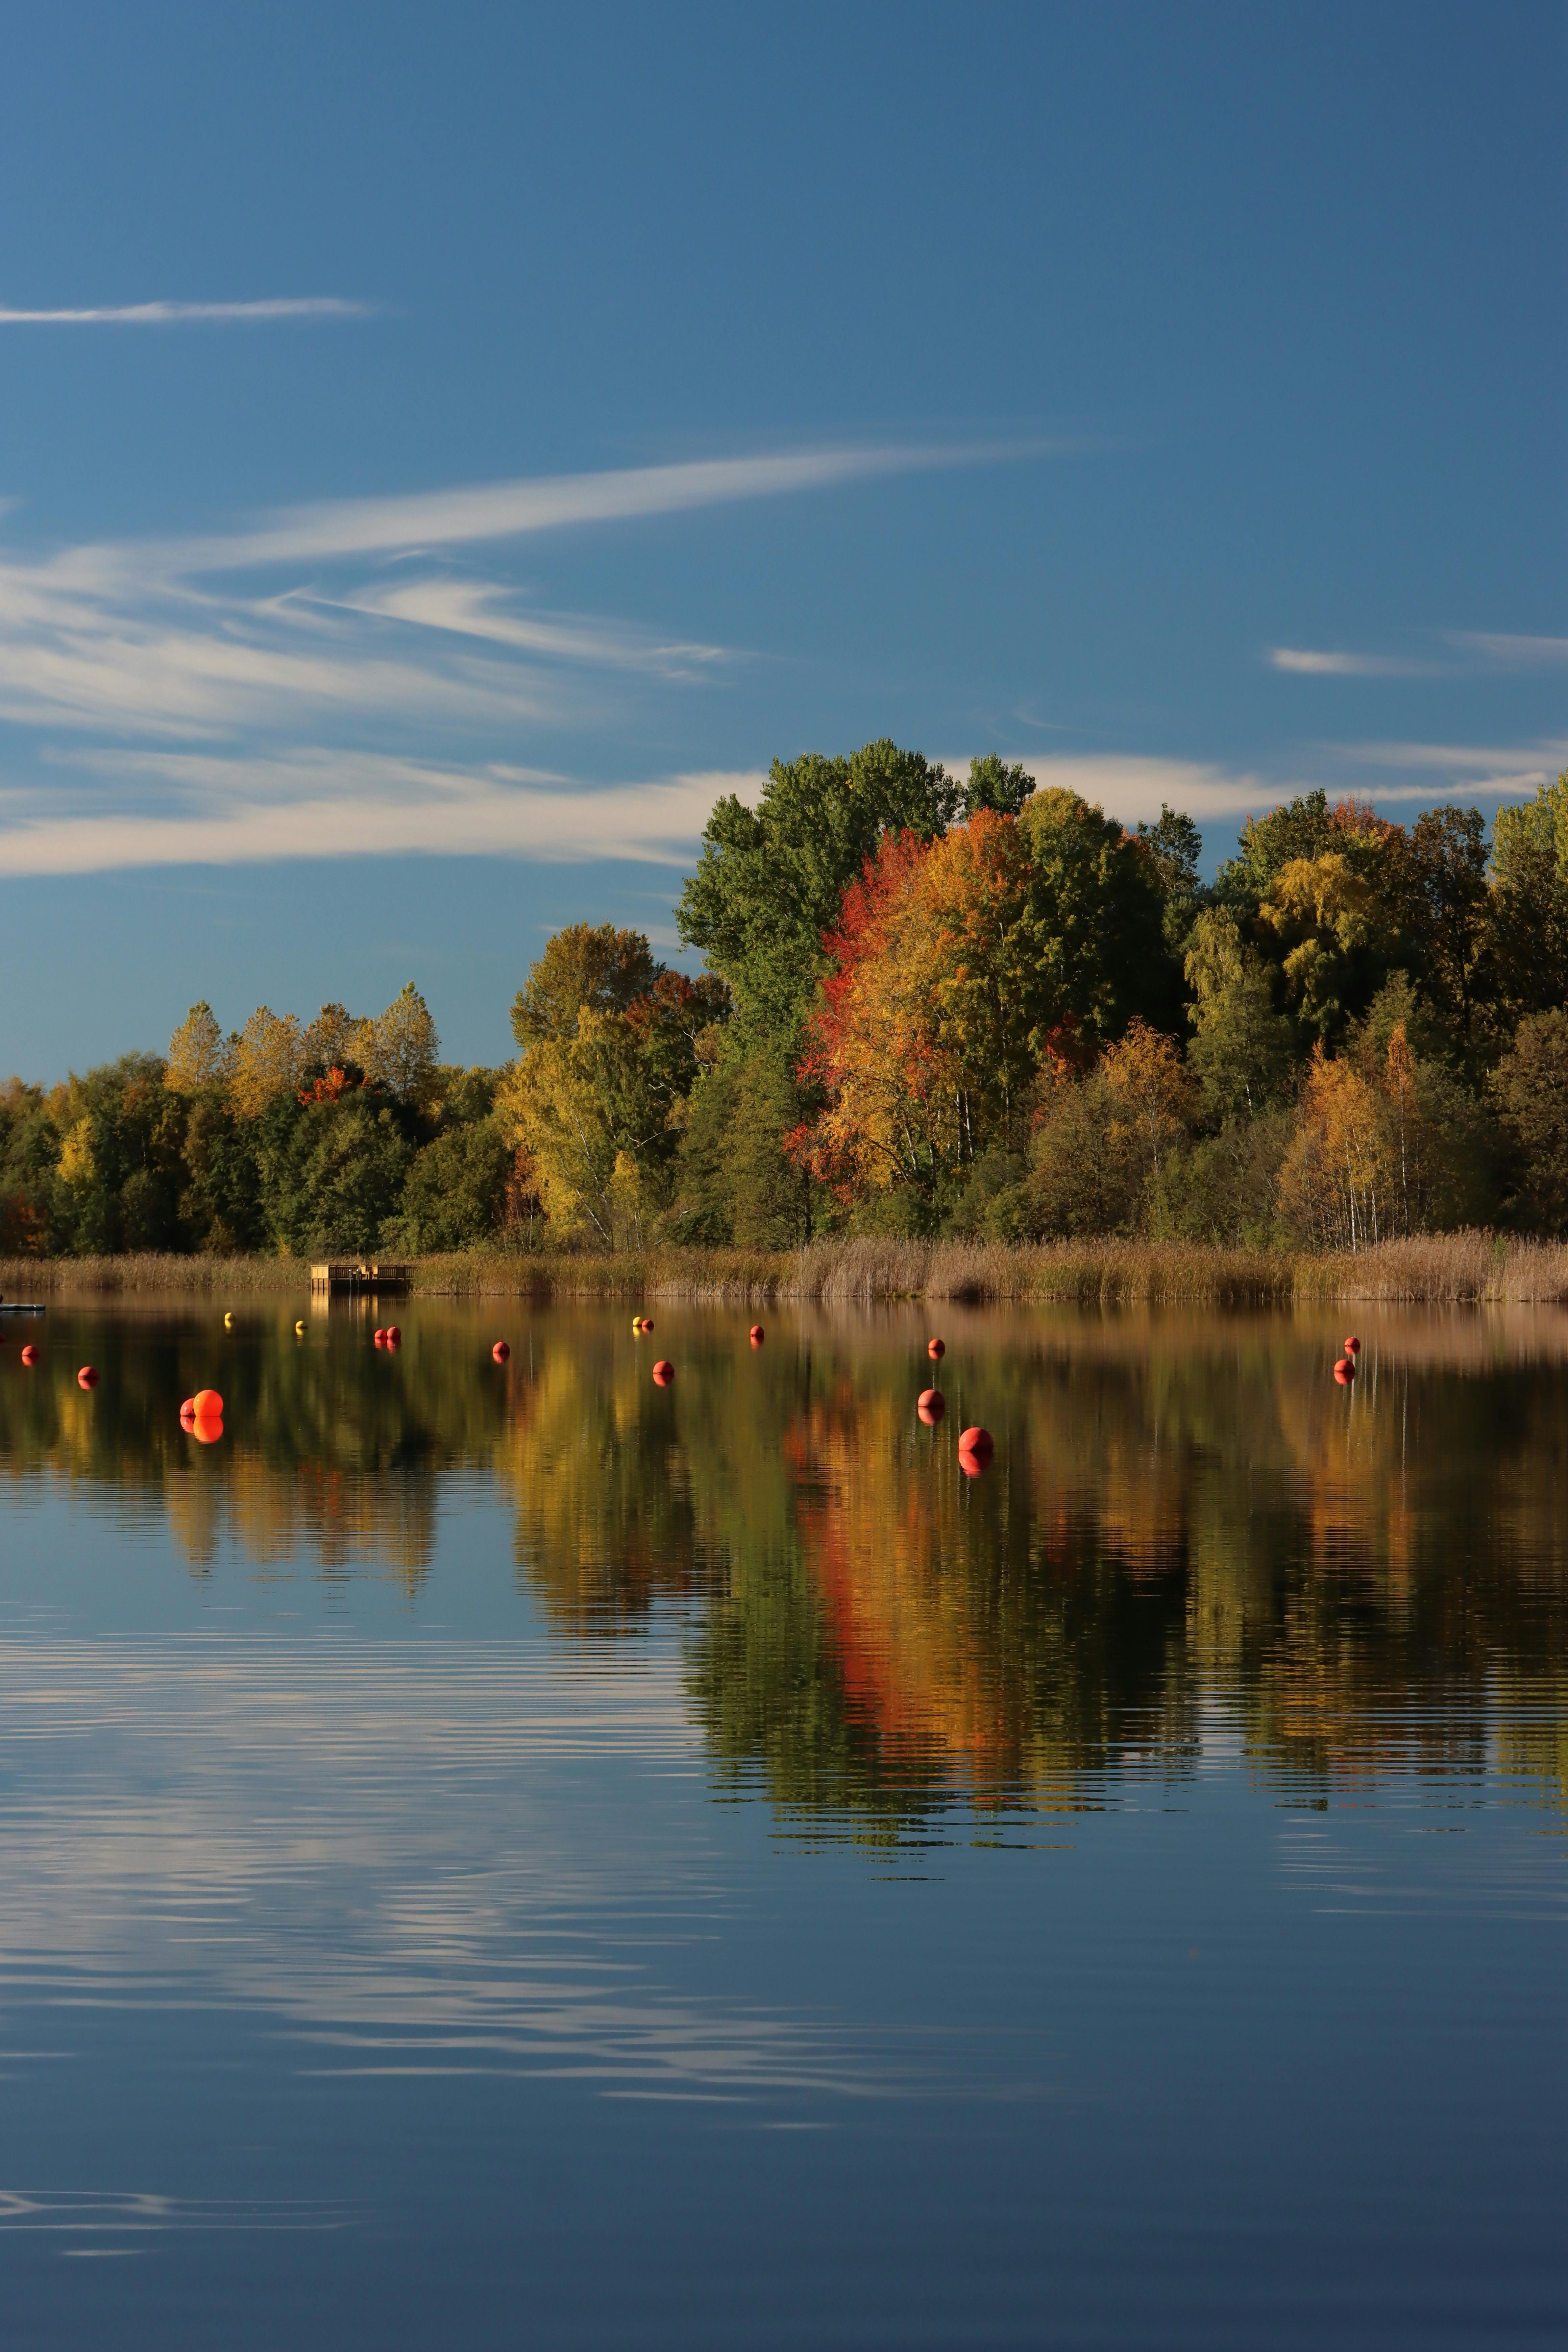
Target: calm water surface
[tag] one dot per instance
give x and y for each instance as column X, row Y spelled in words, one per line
column 518, row 1856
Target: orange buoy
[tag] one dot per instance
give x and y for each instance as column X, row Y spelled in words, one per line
column 663, row 1371
column 1352, row 1346
column 392, row 1336
column 207, row 1428
column 646, row 1325
column 378, row 1337
column 936, row 1349
column 501, row 1351
column 930, row 1406
column 758, row 1335
column 1344, row 1371
column 88, row 1377
column 208, row 1404
column 188, row 1411
column 973, row 1466
column 29, row 1354
column 978, row 1442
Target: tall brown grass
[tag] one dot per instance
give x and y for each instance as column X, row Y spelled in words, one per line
column 1440, row 1269
column 33, row 1277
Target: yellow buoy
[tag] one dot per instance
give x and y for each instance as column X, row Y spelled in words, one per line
column 637, row 1327
column 299, row 1330
column 228, row 1322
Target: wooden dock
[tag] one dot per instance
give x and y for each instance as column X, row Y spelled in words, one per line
column 340, row 1277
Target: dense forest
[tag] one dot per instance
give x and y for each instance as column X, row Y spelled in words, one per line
column 927, row 1007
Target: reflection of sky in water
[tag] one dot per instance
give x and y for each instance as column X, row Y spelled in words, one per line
column 492, row 1854
column 419, row 1858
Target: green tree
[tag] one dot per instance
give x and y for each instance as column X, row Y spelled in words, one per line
column 1300, row 828
column 1447, row 918
column 120, row 1173
column 29, row 1158
column 1240, row 1051
column 1530, row 902
column 1174, row 845
column 334, row 1174
column 992, row 784
column 1530, row 1087
column 770, row 880
column 1096, row 914
column 455, row 1193
column 220, row 1202
column 735, row 1183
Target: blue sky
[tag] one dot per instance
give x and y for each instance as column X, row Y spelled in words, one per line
column 1171, row 398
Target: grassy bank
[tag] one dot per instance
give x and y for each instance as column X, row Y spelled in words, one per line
column 1442, row 1269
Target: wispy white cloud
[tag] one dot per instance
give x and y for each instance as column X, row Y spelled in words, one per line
column 1131, row 787
column 1510, row 770
column 1134, row 788
column 1301, row 661
column 1503, row 652
column 1477, row 649
column 201, row 810
column 512, row 509
column 173, row 314
column 321, row 678
column 480, row 609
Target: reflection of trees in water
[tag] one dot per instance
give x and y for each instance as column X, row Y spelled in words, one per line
column 332, row 1453
column 1173, row 1535
column 1189, row 1530
column 602, row 1486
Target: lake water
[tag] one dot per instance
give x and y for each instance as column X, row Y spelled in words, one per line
column 498, row 1856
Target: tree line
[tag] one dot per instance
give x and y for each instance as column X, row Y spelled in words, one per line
column 927, row 1005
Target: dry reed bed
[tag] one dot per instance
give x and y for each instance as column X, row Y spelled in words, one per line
column 1443, row 1269
column 33, row 1277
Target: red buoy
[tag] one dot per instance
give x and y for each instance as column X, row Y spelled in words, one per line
column 930, row 1406
column 973, row 1466
column 501, row 1351
column 207, row 1428
column 88, row 1377
column 379, row 1336
column 978, row 1442
column 29, row 1355
column 758, row 1335
column 1352, row 1346
column 936, row 1349
column 188, row 1411
column 393, row 1336
column 646, row 1325
column 1344, row 1371
column 663, row 1371
column 208, row 1404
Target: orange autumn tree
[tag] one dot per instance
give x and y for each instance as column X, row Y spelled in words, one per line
column 960, row 970
column 1339, row 1173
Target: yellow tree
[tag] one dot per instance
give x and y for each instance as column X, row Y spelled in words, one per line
column 1323, row 913
column 398, row 1049
column 1150, row 1092
column 1339, row 1172
column 610, row 1043
column 198, row 1054
column 267, row 1060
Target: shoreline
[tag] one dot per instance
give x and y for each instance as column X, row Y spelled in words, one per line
column 1442, row 1269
